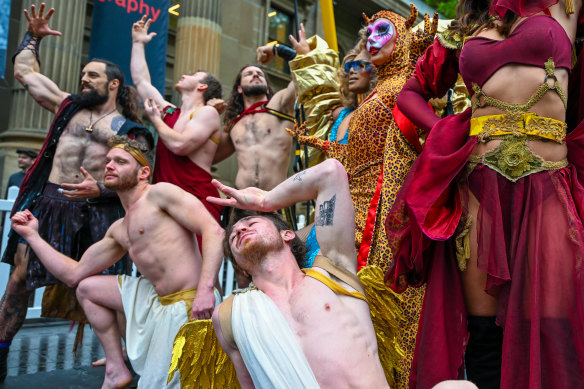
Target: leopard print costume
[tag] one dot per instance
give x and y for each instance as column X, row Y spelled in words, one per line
column 377, row 145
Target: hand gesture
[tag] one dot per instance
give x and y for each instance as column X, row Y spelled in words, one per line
column 152, row 110
column 39, row 25
column 203, row 304
column 219, row 104
column 265, row 54
column 86, row 189
column 248, row 198
column 301, row 45
column 140, row 31
column 25, row 224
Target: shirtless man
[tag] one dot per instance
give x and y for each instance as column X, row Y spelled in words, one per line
column 189, row 135
column 64, row 186
column 310, row 335
column 157, row 231
column 256, row 124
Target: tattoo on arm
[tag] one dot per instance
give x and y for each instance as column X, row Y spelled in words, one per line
column 117, row 123
column 298, row 176
column 326, row 212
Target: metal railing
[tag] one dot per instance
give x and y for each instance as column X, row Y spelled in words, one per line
column 226, row 273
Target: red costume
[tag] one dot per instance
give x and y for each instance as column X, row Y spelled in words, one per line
column 530, row 234
column 182, row 172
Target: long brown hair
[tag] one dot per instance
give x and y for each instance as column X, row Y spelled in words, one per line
column 127, row 96
column 473, row 15
column 235, row 104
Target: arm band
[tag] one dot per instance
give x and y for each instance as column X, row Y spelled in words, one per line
column 30, row 42
column 284, row 52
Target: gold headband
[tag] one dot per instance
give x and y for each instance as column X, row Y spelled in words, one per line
column 137, row 154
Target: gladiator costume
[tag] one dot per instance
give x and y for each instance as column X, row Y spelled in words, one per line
column 152, row 322
column 529, row 225
column 253, row 324
column 69, row 225
column 184, row 173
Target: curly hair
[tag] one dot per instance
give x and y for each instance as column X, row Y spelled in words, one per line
column 348, row 98
column 297, row 247
column 127, row 96
column 235, row 104
column 473, row 15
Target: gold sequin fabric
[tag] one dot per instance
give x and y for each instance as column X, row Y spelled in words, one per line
column 199, row 358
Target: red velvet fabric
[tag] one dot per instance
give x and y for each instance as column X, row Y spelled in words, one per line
column 523, row 8
column 530, row 240
column 438, row 61
column 522, row 46
column 184, row 173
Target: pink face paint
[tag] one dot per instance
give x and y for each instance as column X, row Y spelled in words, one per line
column 378, row 34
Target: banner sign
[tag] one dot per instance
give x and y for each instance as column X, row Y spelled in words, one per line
column 4, row 23
column 111, row 34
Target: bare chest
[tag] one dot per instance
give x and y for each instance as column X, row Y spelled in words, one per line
column 260, row 129
column 89, row 128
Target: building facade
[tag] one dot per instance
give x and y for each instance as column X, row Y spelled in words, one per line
column 219, row 36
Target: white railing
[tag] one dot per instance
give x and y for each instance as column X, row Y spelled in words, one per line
column 226, row 274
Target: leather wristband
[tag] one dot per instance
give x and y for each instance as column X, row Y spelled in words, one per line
column 29, row 42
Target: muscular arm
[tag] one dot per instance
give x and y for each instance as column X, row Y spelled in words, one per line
column 242, row 374
column 335, row 217
column 139, row 67
column 283, row 100
column 197, row 130
column 189, row 212
column 98, row 257
column 224, row 149
column 27, row 69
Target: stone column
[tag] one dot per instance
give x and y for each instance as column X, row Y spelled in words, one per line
column 198, row 37
column 61, row 62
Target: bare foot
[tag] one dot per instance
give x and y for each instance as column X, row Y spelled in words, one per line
column 117, row 379
column 101, row 362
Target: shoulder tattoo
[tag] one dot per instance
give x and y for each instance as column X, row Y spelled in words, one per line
column 117, row 123
column 326, row 211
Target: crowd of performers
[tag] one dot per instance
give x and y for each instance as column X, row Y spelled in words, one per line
column 447, row 237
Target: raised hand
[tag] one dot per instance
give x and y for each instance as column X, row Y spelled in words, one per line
column 248, row 198
column 301, row 45
column 265, row 54
column 39, row 25
column 84, row 190
column 152, row 110
column 140, row 31
column 24, row 223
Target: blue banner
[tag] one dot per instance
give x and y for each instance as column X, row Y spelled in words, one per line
column 111, row 34
column 4, row 23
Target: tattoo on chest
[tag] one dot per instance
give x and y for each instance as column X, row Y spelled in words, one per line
column 298, row 177
column 326, row 211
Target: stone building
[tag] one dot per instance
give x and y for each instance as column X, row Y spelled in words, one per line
column 217, row 35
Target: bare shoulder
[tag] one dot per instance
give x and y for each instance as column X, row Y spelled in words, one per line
column 163, row 190
column 116, row 231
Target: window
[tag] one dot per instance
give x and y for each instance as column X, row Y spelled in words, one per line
column 280, row 25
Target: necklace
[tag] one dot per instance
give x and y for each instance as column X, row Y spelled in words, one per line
column 90, row 127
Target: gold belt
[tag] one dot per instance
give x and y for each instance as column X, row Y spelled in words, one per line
column 518, row 124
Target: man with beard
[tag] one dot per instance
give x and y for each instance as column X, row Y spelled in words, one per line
column 298, row 328
column 158, row 230
column 189, row 135
column 256, row 123
column 64, row 187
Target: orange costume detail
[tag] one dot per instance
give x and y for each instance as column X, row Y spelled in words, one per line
column 377, row 151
